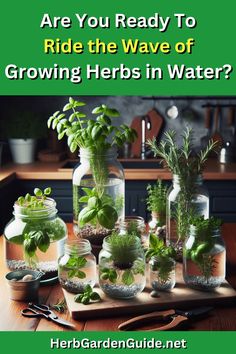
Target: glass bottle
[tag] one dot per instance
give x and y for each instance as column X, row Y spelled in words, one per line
column 104, row 174
column 34, row 239
column 204, row 260
column 77, row 267
column 162, row 273
column 136, row 225
column 122, row 271
column 178, row 210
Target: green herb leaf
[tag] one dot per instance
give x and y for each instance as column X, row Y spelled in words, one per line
column 87, row 215
column 107, row 216
column 95, row 296
column 127, row 277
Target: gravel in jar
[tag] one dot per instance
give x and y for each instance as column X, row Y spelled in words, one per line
column 121, row 291
column 74, row 287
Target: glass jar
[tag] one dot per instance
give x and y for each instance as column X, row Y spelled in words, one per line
column 77, row 267
column 122, row 270
column 179, row 209
column 136, row 225
column 99, row 174
column 204, row 260
column 34, row 239
column 162, row 273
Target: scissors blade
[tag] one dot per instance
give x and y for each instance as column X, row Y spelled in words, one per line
column 60, row 321
column 195, row 312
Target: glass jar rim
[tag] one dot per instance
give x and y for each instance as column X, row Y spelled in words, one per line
column 193, row 230
column 108, row 153
column 78, row 246
column 131, row 218
column 106, row 245
column 48, row 209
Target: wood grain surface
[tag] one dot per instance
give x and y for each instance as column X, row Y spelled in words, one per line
column 223, row 317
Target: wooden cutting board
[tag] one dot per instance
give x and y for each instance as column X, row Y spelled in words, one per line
column 156, row 121
column 179, row 297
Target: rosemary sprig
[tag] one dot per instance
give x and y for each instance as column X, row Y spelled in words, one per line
column 60, row 306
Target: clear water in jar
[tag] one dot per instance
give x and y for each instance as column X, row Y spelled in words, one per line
column 46, row 262
column 210, row 274
column 114, row 188
column 201, row 206
column 75, row 284
column 158, row 283
column 118, row 289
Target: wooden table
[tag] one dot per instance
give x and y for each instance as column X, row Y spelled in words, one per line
column 221, row 318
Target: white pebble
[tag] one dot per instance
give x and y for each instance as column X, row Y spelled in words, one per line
column 13, row 279
column 27, row 277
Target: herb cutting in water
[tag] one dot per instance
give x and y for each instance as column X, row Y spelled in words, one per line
column 187, row 166
column 161, row 263
column 97, row 137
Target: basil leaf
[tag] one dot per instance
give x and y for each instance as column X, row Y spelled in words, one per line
column 107, row 216
column 86, row 215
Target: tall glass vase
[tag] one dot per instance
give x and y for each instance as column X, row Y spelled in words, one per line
column 180, row 209
column 99, row 174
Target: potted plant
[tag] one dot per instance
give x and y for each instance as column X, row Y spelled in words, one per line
column 161, row 264
column 187, row 196
column 35, row 236
column 122, row 266
column 156, row 204
column 98, row 181
column 204, row 254
column 22, row 129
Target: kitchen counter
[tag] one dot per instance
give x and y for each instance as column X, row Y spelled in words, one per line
column 222, row 318
column 54, row 171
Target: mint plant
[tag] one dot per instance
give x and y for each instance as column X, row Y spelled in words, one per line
column 39, row 230
column 164, row 257
column 97, row 136
column 75, row 263
column 87, row 296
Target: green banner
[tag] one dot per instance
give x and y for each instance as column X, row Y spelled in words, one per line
column 107, row 342
column 125, row 47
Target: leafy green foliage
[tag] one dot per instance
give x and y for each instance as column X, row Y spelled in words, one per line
column 187, row 166
column 36, row 201
column 126, row 263
column 87, row 296
column 108, row 274
column 74, row 264
column 38, row 230
column 156, row 200
column 158, row 248
column 98, row 209
column 124, row 249
column 96, row 135
column 200, row 251
column 163, row 257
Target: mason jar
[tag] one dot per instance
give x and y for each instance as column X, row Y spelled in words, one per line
column 162, row 273
column 179, row 209
column 136, row 225
column 77, row 267
column 100, row 175
column 204, row 260
column 34, row 239
column 122, row 271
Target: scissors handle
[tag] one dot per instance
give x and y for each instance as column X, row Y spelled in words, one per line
column 139, row 320
column 44, row 308
column 30, row 312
